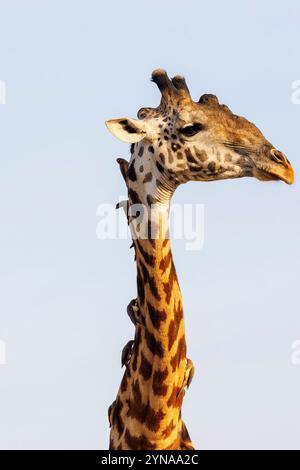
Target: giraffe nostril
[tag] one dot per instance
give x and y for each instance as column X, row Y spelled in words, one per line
column 280, row 158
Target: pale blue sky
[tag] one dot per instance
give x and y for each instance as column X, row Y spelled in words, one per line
column 68, row 66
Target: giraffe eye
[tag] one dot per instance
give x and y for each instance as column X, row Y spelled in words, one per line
column 191, row 129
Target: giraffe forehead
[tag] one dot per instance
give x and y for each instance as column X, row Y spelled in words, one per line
column 191, row 114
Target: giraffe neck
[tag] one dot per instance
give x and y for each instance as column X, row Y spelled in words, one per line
column 149, row 402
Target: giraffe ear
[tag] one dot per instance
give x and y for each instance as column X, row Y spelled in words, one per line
column 127, row 130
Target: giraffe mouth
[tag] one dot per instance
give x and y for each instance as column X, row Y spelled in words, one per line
column 274, row 174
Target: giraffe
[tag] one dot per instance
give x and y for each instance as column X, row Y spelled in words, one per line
column 179, row 141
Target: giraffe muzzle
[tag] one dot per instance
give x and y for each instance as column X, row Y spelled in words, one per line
column 282, row 168
column 274, row 166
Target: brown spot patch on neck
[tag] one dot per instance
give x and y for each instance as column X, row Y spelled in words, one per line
column 145, row 368
column 138, row 443
column 175, row 325
column 157, row 316
column 158, row 385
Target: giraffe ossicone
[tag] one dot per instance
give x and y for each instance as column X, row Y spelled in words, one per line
column 179, row 141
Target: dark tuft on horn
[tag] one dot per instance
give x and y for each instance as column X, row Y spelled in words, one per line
column 173, row 90
column 180, row 84
column 160, row 77
column 166, row 87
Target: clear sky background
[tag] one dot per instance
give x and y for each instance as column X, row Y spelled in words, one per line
column 68, row 66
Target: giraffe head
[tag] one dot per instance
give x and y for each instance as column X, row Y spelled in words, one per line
column 183, row 140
